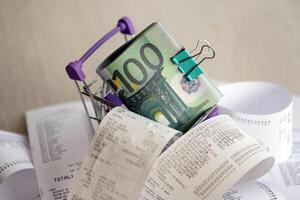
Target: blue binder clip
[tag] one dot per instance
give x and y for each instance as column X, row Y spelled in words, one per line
column 188, row 65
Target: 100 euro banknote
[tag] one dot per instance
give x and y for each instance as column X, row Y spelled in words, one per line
column 141, row 73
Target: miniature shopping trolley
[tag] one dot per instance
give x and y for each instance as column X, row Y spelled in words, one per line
column 97, row 91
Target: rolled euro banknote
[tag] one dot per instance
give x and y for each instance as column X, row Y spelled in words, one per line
column 141, row 73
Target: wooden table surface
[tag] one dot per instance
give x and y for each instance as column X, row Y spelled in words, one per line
column 254, row 40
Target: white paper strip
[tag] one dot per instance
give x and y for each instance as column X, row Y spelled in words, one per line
column 262, row 190
column 59, row 138
column 17, row 175
column 264, row 110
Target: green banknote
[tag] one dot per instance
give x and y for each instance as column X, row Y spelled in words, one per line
column 148, row 83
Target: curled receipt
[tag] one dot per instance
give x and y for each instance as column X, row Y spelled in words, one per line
column 262, row 190
column 264, row 110
column 125, row 160
column 17, row 175
column 206, row 162
column 121, row 155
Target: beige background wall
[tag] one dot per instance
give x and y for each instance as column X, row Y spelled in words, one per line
column 254, row 40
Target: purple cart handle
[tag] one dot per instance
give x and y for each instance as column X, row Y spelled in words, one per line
column 74, row 69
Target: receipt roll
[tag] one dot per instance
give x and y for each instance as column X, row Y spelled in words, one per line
column 263, row 110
